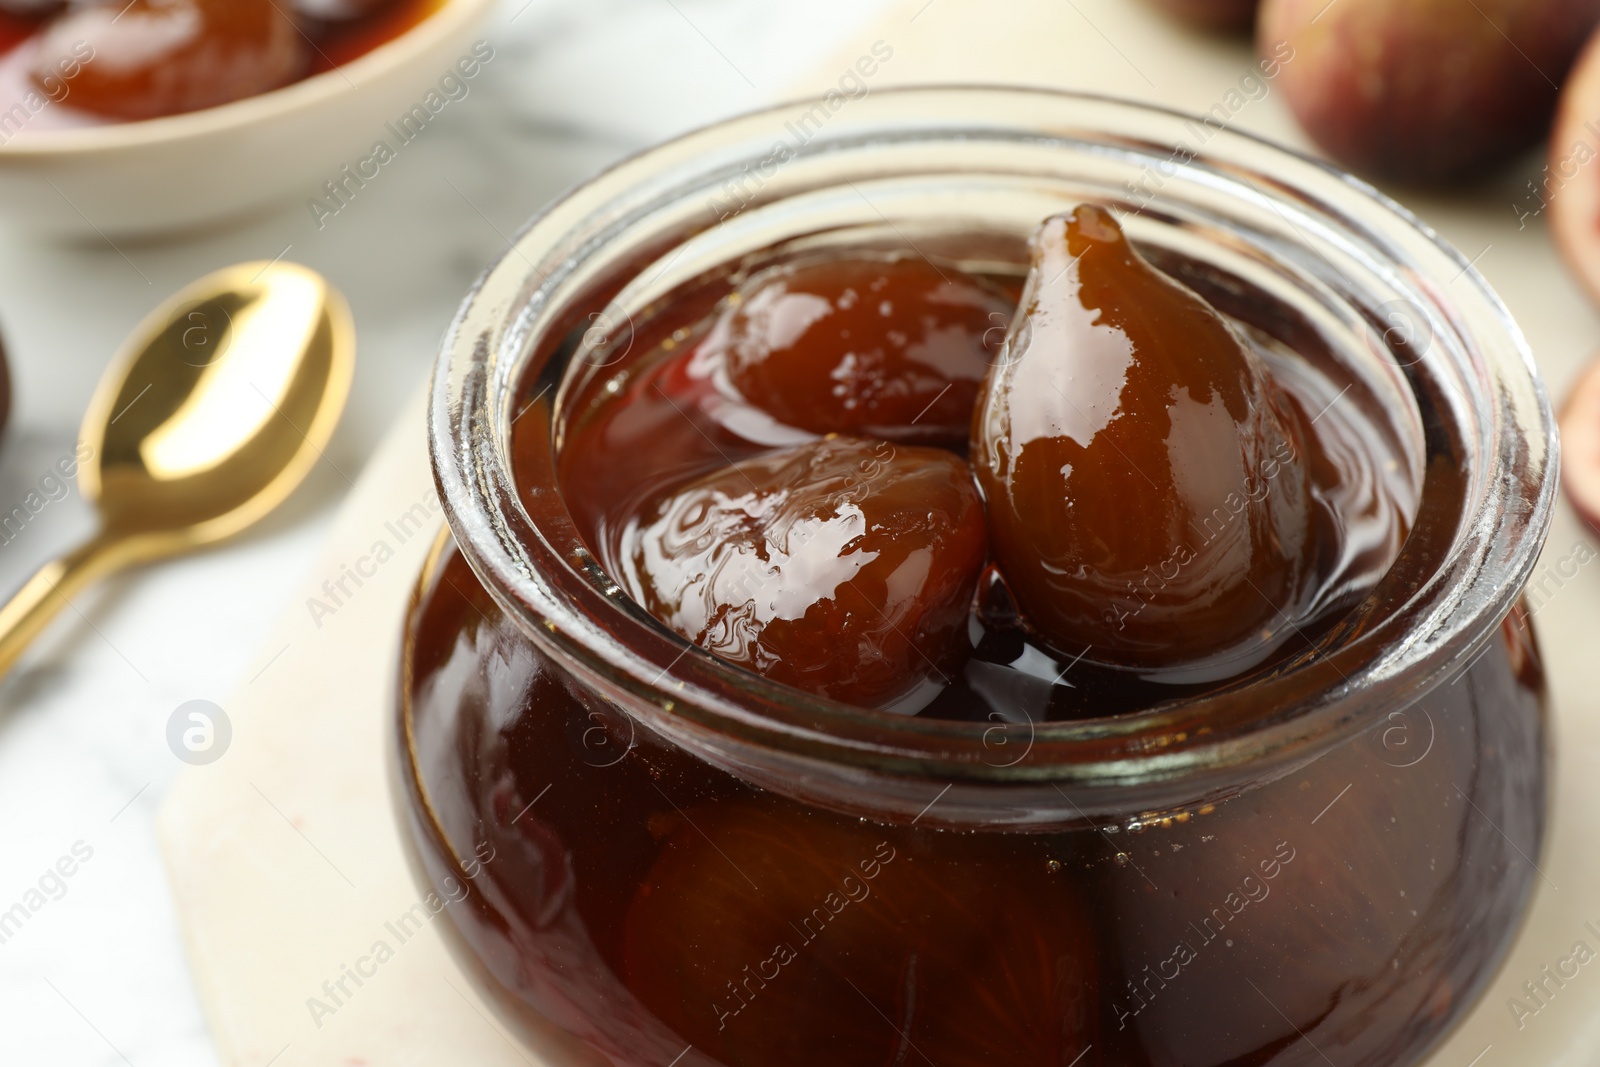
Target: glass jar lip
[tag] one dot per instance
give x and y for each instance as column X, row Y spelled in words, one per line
column 540, row 573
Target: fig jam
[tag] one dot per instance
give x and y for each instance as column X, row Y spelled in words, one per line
column 642, row 902
column 1145, row 611
column 118, row 62
column 749, row 461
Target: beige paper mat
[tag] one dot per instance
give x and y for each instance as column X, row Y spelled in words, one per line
column 285, row 854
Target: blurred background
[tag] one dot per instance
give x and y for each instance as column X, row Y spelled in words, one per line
column 99, row 975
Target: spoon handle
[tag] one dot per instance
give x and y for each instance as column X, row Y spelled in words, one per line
column 52, row 588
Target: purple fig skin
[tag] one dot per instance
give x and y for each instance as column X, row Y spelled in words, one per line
column 1569, row 188
column 1425, row 92
column 1227, row 16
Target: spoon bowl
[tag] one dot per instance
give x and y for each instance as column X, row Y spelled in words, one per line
column 215, row 408
column 218, row 404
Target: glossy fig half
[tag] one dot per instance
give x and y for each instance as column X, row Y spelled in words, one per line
column 1147, row 498
column 844, row 567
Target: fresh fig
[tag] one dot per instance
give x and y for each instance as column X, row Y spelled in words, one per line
column 1425, row 91
column 1580, row 446
column 1570, row 186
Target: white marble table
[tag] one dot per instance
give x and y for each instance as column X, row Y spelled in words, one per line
column 97, row 975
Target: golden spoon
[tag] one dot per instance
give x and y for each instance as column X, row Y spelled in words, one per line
column 211, row 413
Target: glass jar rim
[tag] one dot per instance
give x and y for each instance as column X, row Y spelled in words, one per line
column 539, row 571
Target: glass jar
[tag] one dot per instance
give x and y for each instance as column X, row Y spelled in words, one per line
column 662, row 859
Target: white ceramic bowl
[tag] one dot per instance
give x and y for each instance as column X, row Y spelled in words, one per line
column 177, row 173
